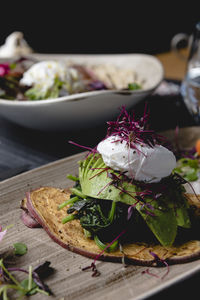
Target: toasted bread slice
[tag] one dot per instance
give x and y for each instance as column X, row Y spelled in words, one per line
column 42, row 205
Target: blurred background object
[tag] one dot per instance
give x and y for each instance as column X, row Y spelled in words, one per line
column 71, row 27
column 190, row 87
column 15, row 45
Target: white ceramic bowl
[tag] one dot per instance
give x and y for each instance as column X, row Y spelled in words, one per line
column 90, row 108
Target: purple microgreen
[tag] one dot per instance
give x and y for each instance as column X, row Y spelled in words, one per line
column 104, row 187
column 2, row 233
column 147, row 271
column 39, row 273
column 95, row 272
column 127, row 129
column 41, row 284
column 130, row 212
column 133, row 131
column 150, row 213
column 33, row 284
column 92, row 150
column 97, row 85
column 160, row 262
column 93, row 264
column 102, row 170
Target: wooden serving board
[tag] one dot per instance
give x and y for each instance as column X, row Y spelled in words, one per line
column 69, row 281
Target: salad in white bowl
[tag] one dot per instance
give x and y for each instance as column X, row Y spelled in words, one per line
column 25, row 79
column 59, row 92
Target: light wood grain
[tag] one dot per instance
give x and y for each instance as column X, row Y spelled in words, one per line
column 174, row 65
column 69, row 281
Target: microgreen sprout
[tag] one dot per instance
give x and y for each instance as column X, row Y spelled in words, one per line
column 159, row 262
column 127, row 128
column 29, row 286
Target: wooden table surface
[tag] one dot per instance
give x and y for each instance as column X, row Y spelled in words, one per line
column 174, row 65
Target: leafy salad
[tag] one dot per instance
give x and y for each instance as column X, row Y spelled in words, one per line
column 28, row 79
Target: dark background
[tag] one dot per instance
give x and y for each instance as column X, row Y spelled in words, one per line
column 96, row 26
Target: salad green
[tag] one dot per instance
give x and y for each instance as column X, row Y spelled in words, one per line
column 27, row 79
column 188, row 168
column 30, row 285
column 98, row 185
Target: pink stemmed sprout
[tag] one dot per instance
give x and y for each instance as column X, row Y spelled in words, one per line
column 4, row 69
column 2, row 233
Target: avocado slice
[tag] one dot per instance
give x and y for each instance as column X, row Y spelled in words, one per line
column 162, row 215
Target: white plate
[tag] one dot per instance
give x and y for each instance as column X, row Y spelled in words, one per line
column 90, row 108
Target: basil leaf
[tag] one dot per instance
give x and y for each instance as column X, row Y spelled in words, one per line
column 24, row 283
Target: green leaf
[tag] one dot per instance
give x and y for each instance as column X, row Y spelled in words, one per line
column 33, row 290
column 180, row 206
column 35, row 94
column 191, row 175
column 20, row 249
column 182, row 217
column 163, row 223
column 134, row 86
column 12, row 66
column 54, row 91
column 96, row 183
column 188, row 168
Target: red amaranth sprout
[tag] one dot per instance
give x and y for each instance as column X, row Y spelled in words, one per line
column 133, row 131
column 127, row 128
column 160, row 263
column 92, row 150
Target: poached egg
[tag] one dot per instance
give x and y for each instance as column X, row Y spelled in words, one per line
column 144, row 163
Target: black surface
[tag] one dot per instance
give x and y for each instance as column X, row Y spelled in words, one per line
column 85, row 27
column 27, row 149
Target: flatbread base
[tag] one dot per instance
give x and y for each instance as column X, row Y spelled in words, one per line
column 42, row 205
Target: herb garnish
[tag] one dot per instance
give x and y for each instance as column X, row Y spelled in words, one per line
column 29, row 286
column 134, row 131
